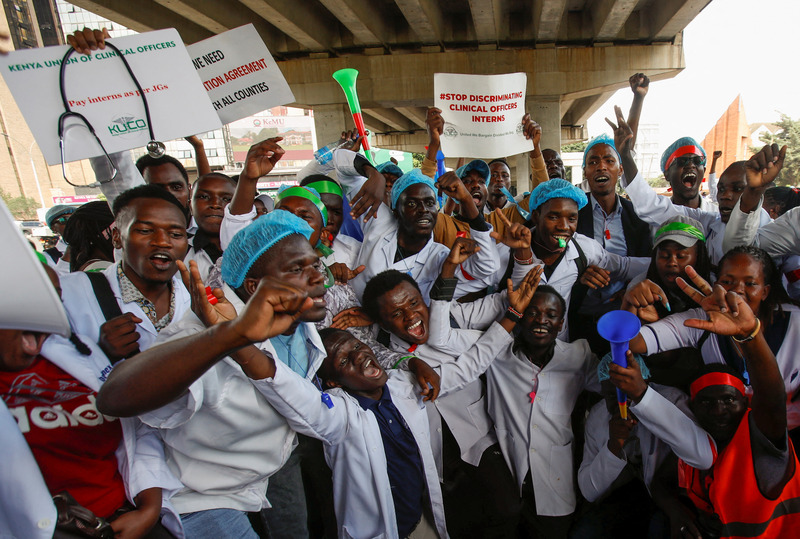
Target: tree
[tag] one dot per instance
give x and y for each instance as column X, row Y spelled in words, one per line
column 417, row 158
column 22, row 208
column 574, row 147
column 790, row 136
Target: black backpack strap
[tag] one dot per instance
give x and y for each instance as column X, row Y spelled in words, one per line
column 105, row 296
column 579, row 290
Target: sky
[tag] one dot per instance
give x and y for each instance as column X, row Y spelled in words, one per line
column 747, row 47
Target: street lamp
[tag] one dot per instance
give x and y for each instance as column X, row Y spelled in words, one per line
column 33, row 167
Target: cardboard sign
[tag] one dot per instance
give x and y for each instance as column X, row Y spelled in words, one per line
column 239, row 73
column 99, row 87
column 29, row 301
column 482, row 114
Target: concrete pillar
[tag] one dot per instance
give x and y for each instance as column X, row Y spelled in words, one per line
column 330, row 121
column 521, row 172
column 547, row 113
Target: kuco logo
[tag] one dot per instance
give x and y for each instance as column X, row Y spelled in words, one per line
column 126, row 124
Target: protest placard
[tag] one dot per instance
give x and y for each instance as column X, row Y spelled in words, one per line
column 99, row 87
column 29, row 300
column 482, row 114
column 239, row 73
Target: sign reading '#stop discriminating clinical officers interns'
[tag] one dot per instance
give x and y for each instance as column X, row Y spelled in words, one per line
column 482, row 114
column 239, row 73
column 98, row 87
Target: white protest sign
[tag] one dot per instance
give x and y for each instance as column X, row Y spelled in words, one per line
column 482, row 114
column 239, row 73
column 29, row 301
column 99, row 87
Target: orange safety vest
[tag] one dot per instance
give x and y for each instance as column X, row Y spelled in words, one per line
column 730, row 490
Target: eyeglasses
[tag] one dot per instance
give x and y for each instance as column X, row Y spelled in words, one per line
column 60, row 220
column 698, row 160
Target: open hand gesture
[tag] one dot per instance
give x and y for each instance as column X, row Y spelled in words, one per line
column 520, row 298
column 728, row 312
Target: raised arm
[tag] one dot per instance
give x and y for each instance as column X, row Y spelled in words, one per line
column 260, row 160
column 434, row 124
column 640, row 83
column 156, row 377
column 533, row 132
column 730, row 315
column 778, row 238
column 712, row 175
column 200, row 157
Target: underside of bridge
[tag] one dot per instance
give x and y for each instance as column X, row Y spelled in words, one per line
column 576, row 52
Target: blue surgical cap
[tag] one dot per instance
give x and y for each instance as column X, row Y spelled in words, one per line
column 414, row 176
column 256, row 239
column 599, row 139
column 478, row 166
column 57, row 211
column 682, row 146
column 390, row 168
column 556, row 188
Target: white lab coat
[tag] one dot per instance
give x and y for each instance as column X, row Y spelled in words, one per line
column 380, row 245
column 26, row 505
column 656, row 209
column 565, row 275
column 86, row 317
column 222, row 439
column 601, row 468
column 352, row 438
column 669, row 333
column 538, row 436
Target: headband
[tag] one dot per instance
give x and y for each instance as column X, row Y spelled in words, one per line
column 715, row 379
column 683, row 150
column 302, row 192
column 682, row 227
column 326, row 186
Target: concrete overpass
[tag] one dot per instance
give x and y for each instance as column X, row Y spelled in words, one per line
column 576, row 52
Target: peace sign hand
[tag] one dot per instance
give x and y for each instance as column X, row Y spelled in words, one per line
column 728, row 312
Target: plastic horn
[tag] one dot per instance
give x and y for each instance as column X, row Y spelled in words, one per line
column 618, row 328
column 440, row 170
column 347, row 80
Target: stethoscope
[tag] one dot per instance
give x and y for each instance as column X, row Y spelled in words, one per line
column 155, row 148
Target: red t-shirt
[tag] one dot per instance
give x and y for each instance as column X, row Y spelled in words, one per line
column 73, row 443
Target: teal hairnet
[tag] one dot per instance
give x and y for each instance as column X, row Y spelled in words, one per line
column 599, row 139
column 556, row 188
column 257, row 238
column 390, row 168
column 414, row 176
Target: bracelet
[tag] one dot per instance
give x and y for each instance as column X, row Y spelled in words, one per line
column 399, row 361
column 752, row 335
column 513, row 315
column 524, row 262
